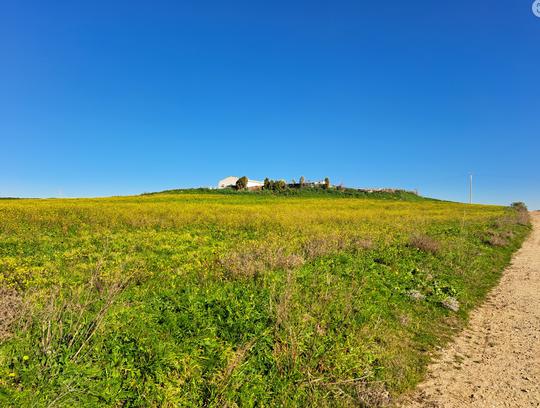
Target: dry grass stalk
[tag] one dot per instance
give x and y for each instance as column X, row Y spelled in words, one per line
column 358, row 243
column 372, row 394
column 328, row 244
column 237, row 359
column 358, row 392
column 286, row 346
column 254, row 260
column 282, row 307
column 112, row 294
column 11, row 308
column 67, row 319
column 425, row 243
column 451, row 303
column 320, row 246
column 495, row 239
column 523, row 218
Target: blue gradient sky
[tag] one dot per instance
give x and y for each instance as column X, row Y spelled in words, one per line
column 108, row 98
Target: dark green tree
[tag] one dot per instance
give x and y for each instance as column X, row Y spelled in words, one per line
column 280, row 185
column 326, row 183
column 520, row 206
column 241, row 183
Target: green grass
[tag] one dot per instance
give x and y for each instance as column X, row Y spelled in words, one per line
column 306, row 192
column 237, row 299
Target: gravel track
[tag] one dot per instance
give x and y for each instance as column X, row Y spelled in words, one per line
column 495, row 362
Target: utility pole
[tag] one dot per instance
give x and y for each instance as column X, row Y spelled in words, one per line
column 470, row 189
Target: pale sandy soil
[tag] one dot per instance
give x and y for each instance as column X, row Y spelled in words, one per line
column 495, row 362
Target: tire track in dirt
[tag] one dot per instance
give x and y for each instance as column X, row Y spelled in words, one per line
column 495, row 362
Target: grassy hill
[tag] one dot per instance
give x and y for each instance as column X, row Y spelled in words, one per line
column 218, row 299
column 389, row 194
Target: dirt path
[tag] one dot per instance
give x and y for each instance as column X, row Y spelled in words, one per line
column 496, row 361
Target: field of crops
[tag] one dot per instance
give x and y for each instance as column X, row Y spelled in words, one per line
column 236, row 299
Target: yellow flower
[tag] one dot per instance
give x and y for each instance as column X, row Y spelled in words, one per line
column 12, row 374
column 25, row 358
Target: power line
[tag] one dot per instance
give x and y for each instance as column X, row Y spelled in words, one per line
column 470, row 189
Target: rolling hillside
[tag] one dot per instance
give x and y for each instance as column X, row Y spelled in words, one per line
column 205, row 299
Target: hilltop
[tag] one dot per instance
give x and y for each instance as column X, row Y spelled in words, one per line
column 383, row 194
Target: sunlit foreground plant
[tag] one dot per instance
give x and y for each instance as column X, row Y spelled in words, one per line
column 237, row 299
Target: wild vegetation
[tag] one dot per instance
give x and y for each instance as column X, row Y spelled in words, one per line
column 237, row 299
column 281, row 188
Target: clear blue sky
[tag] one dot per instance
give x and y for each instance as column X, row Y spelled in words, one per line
column 121, row 97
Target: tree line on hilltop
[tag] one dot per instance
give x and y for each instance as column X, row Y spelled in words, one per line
column 280, row 185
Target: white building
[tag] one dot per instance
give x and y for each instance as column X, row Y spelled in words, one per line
column 227, row 182
column 254, row 184
column 231, row 182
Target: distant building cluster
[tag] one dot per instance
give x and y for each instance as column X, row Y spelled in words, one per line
column 232, row 182
column 245, row 183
